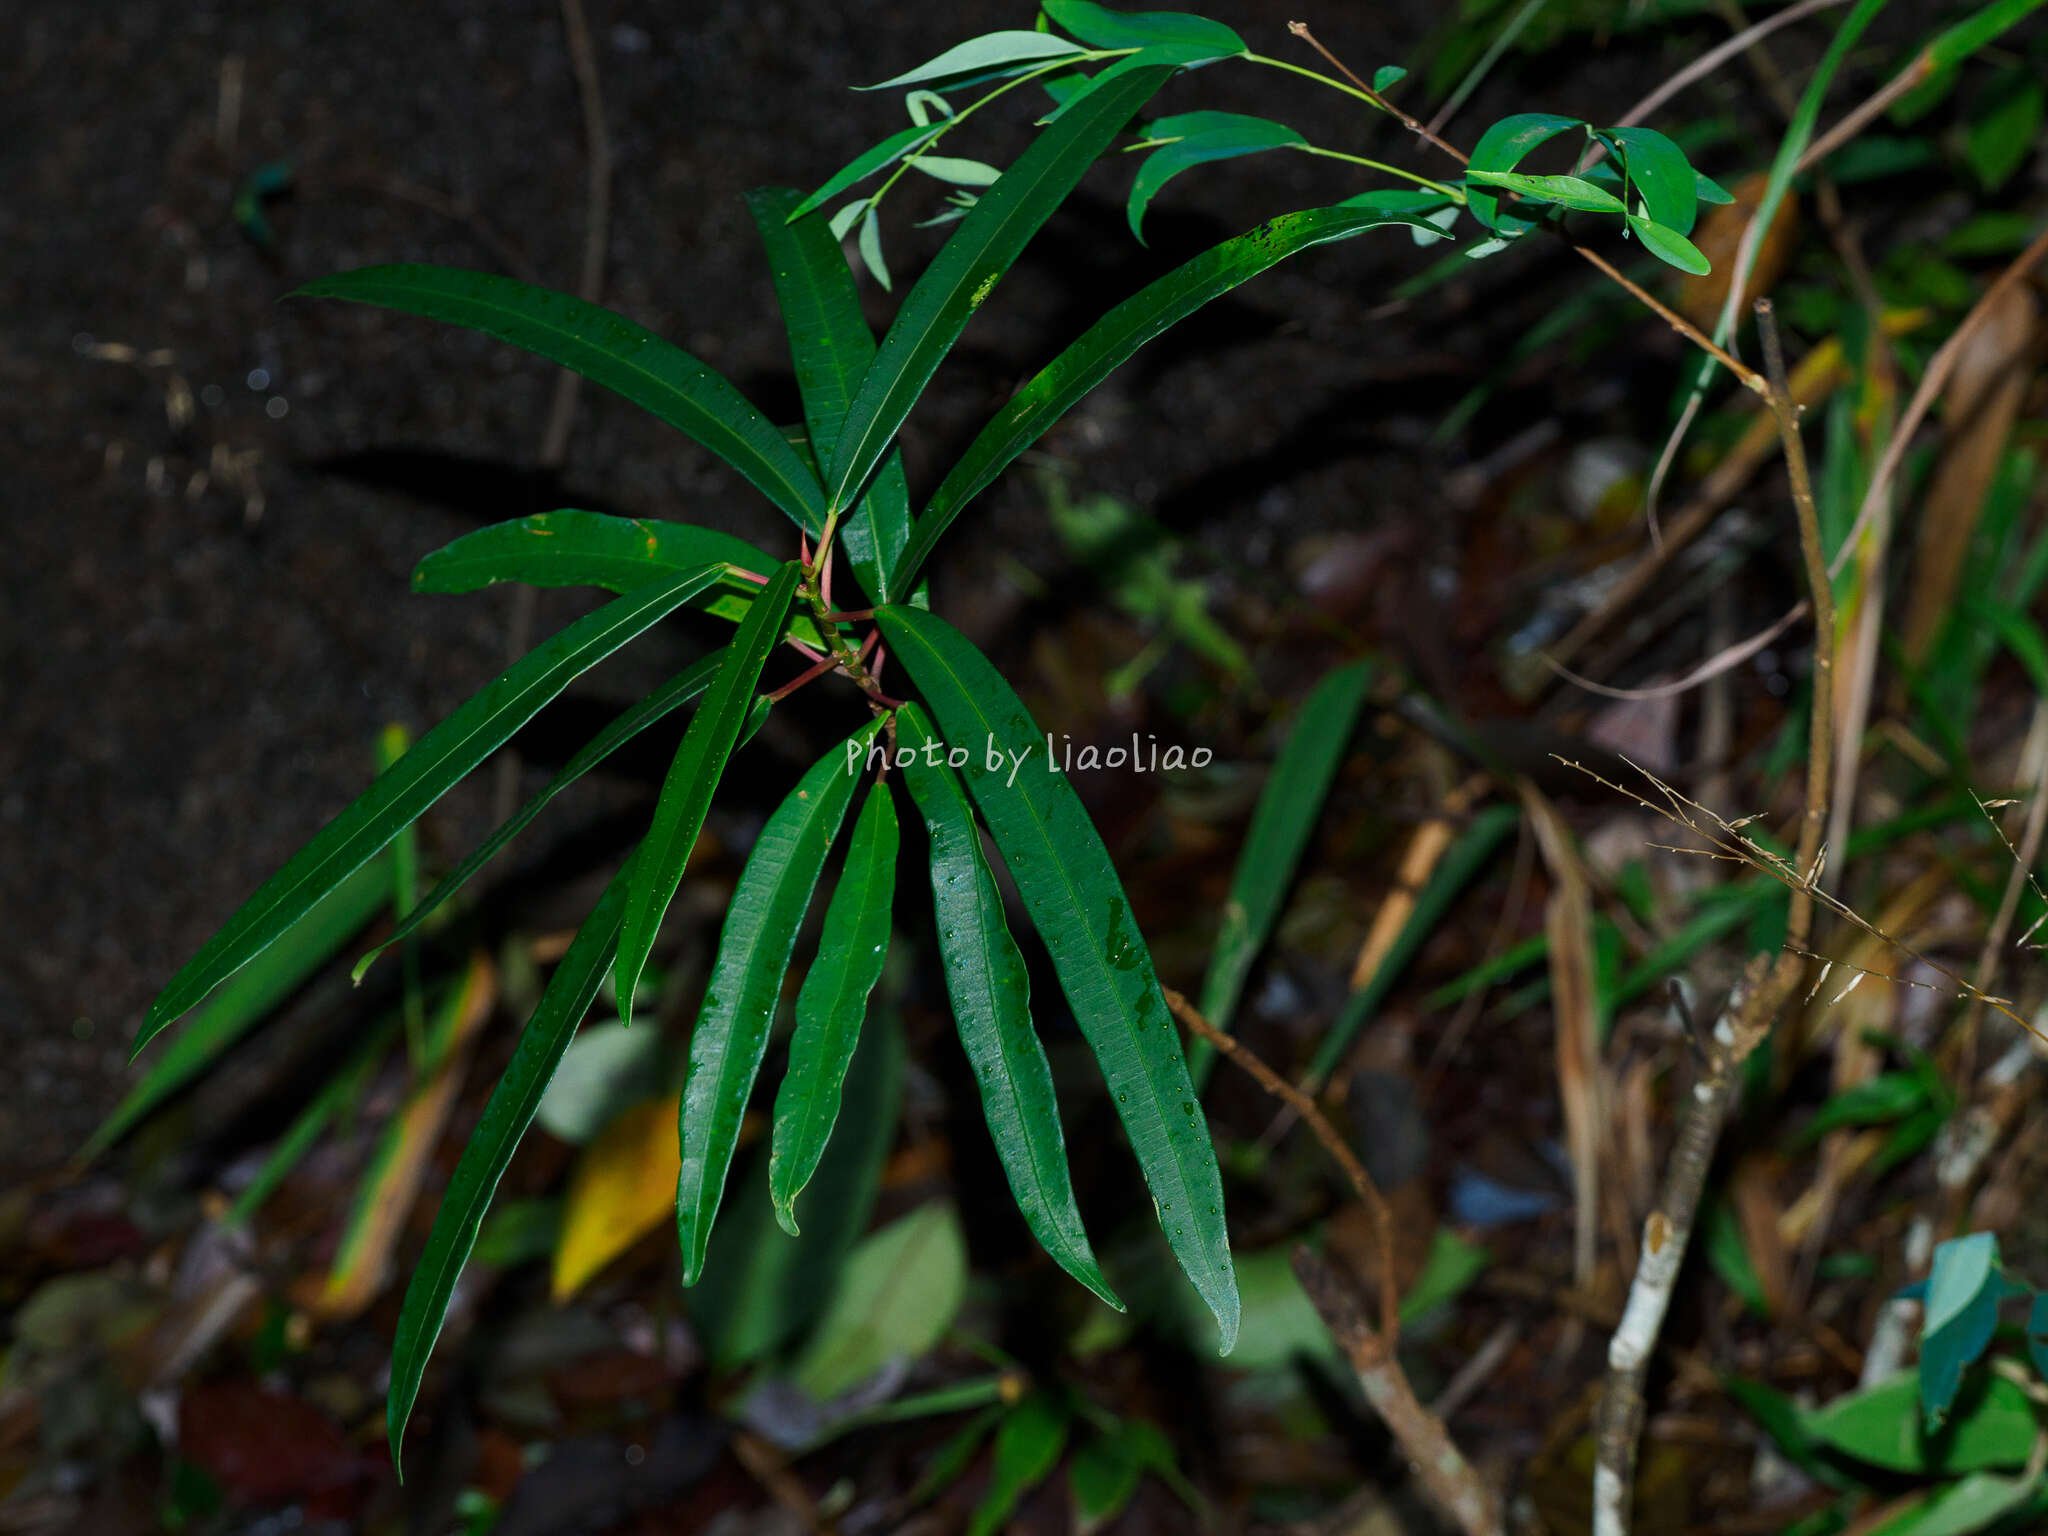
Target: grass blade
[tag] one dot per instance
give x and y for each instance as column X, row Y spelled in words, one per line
column 506, row 1116
column 991, row 994
column 657, row 868
column 731, row 1036
column 834, row 1002
column 397, row 796
column 304, row 946
column 1287, row 811
column 831, row 347
column 670, row 696
column 1078, row 904
column 1108, row 344
column 607, row 349
column 967, row 267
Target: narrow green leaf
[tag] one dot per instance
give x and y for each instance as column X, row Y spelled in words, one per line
column 1028, row 1447
column 1108, row 343
column 1102, row 1477
column 866, row 163
column 489, row 1149
column 950, row 168
column 1078, row 905
column 731, row 1036
column 1387, row 76
column 1100, row 27
column 1475, row 845
column 870, row 247
column 1973, row 32
column 1196, row 139
column 990, row 991
column 830, row 347
column 304, row 946
column 693, row 776
column 1658, row 169
column 1671, row 247
column 1709, row 190
column 834, row 1001
column 398, row 795
column 1503, row 147
column 1565, row 191
column 988, row 240
column 991, row 53
column 1287, row 811
column 670, row 696
column 1178, row 55
column 609, row 350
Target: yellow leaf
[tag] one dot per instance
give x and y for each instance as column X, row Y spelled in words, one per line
column 624, row 1187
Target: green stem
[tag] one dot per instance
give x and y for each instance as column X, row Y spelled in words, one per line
column 1391, row 170
column 1336, row 85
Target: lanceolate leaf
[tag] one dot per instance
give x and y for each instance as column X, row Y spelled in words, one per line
column 399, row 794
column 988, row 54
column 834, row 1001
column 240, row 1005
column 1028, row 1447
column 1101, row 27
column 1108, row 343
column 1200, row 137
column 607, row 349
column 1564, row 191
column 991, row 995
column 831, row 347
column 1077, row 903
column 1670, row 246
column 1287, row 812
column 671, row 695
column 1502, row 148
column 1178, row 55
column 657, row 868
column 967, row 267
column 489, row 1150
column 869, row 161
column 731, row 1036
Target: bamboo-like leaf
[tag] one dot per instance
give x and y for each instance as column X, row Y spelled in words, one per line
column 731, row 1036
column 657, row 868
column 831, row 347
column 834, row 1002
column 1078, row 904
column 399, row 794
column 991, row 995
column 670, row 696
column 1287, row 811
column 1101, row 27
column 991, row 53
column 988, row 240
column 595, row 549
column 1110, row 341
column 867, row 162
column 607, row 349
column 309, row 943
column 506, row 1116
column 1564, row 191
column 1196, row 138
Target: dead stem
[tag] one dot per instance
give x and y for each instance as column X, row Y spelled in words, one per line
column 1300, row 30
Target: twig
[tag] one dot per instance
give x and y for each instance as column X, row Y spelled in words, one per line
column 1300, row 30
column 1863, row 116
column 1747, row 1019
column 1339, row 1150
column 1938, row 369
column 1433, row 1455
column 1728, row 656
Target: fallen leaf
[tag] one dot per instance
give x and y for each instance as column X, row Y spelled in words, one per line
column 623, row 1188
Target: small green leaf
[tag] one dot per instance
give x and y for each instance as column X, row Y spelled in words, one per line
column 1078, row 905
column 489, row 1150
column 2001, row 138
column 1028, row 1447
column 1658, row 170
column 921, row 104
column 1964, row 1289
column 896, row 1296
column 1450, row 1266
column 438, row 761
column 731, row 1035
column 844, row 219
column 864, row 165
column 834, row 1001
column 1103, row 1478
column 990, row 990
column 1503, row 147
column 1387, row 76
column 657, row 868
column 1100, row 27
column 1977, row 29
column 1670, row 247
column 1565, row 191
column 831, row 347
column 1178, row 56
column 312, row 940
column 1287, row 811
column 988, row 240
column 964, row 173
column 609, row 350
column 1709, row 190
column 1968, row 1505
column 1196, row 139
column 1876, row 1101
column 1109, row 342
column 986, row 56
column 870, row 247
column 1993, row 1426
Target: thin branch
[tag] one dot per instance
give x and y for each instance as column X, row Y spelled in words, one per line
column 1728, row 656
column 1751, row 379
column 1339, row 1150
column 1863, row 116
column 1300, row 30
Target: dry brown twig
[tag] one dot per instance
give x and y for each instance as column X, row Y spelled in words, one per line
column 1439, row 1465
